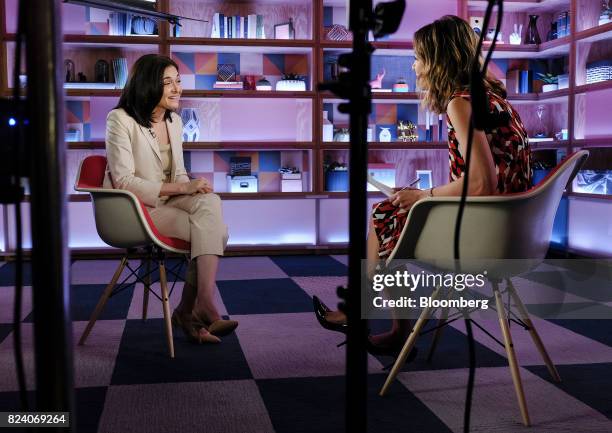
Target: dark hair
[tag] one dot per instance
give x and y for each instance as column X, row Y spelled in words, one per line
column 144, row 88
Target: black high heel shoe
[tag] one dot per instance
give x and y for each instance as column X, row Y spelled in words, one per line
column 320, row 310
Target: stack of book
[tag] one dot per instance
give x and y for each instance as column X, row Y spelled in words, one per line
column 234, row 27
column 518, row 81
column 120, row 70
column 119, row 24
column 230, row 85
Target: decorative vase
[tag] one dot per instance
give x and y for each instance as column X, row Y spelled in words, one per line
column 191, row 124
column 541, row 130
column 102, row 71
column 385, row 135
column 328, row 128
column 533, row 37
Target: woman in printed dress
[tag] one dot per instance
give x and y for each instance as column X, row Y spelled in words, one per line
column 500, row 160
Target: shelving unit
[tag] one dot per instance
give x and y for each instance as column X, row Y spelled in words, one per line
column 236, row 123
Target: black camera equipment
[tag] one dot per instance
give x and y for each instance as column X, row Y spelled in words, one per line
column 354, row 86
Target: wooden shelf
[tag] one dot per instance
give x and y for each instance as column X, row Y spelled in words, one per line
column 593, row 142
column 255, row 94
column 281, row 43
column 602, row 197
column 93, row 92
column 217, row 145
column 248, row 145
column 264, row 195
column 554, row 96
column 595, row 34
column 395, row 145
column 371, row 194
column 381, row 96
column 111, row 40
column 85, row 145
column 556, row 47
column 104, row 39
column 523, row 5
column 545, row 145
column 379, row 45
column 252, row 94
column 593, row 87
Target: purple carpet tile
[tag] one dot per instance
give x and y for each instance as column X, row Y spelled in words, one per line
column 494, row 406
column 204, row 407
column 292, row 345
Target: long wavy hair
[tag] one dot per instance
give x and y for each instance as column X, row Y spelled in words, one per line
column 446, row 49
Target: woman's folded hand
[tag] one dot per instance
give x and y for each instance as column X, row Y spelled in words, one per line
column 196, row 186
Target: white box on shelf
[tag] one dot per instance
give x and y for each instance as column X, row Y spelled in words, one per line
column 384, row 173
column 291, row 185
column 242, row 184
column 291, row 182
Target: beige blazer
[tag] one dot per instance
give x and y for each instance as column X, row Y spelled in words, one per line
column 134, row 160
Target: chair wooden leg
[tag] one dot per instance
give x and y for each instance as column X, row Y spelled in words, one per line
column 145, row 294
column 166, row 304
column 534, row 334
column 401, row 359
column 438, row 332
column 102, row 301
column 514, row 369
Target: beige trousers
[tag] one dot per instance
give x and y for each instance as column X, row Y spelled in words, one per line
column 194, row 218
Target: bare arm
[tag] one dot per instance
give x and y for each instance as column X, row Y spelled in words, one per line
column 482, row 176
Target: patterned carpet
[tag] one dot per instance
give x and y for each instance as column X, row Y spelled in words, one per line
column 281, row 372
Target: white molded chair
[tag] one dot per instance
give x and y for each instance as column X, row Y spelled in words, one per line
column 122, row 221
column 511, row 226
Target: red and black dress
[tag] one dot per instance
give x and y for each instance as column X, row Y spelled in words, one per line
column 511, row 154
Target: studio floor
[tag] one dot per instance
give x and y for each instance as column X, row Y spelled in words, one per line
column 281, row 372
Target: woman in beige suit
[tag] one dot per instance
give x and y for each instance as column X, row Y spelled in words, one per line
column 145, row 156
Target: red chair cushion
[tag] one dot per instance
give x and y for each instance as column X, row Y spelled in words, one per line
column 92, row 172
column 179, row 244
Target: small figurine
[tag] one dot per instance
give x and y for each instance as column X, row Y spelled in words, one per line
column 406, row 131
column 377, row 82
column 69, row 66
column 82, row 77
column 515, row 38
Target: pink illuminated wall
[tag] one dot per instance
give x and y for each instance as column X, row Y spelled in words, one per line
column 593, row 114
column 270, row 222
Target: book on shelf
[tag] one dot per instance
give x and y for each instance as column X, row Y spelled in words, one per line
column 236, row 27
column 119, row 24
column 234, row 85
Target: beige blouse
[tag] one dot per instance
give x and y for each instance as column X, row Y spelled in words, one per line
column 166, row 156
